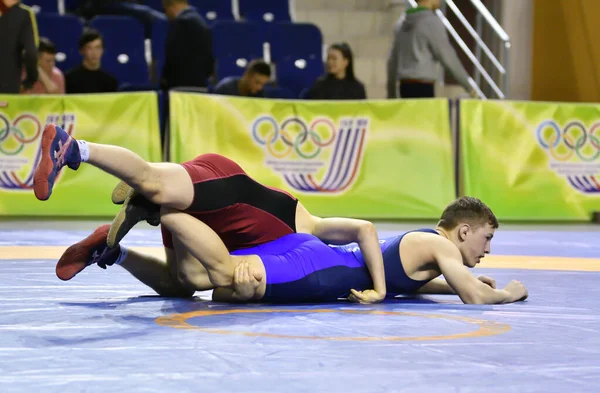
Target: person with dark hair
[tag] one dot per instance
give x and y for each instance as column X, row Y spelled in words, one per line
column 89, row 77
column 189, row 60
column 18, row 45
column 300, row 268
column 250, row 84
column 51, row 80
column 339, row 83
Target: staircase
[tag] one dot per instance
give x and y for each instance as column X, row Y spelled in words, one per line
column 367, row 25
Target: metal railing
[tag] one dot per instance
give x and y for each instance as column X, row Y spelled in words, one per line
column 501, row 88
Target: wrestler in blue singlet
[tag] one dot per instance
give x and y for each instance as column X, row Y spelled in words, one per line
column 301, row 268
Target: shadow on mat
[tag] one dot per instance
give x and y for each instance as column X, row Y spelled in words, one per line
column 196, row 303
column 167, row 304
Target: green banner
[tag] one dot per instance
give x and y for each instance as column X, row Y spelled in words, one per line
column 532, row 161
column 127, row 120
column 375, row 159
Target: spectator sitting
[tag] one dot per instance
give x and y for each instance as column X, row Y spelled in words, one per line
column 88, row 77
column 251, row 84
column 50, row 79
column 339, row 83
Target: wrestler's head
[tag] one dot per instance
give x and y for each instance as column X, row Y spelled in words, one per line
column 470, row 225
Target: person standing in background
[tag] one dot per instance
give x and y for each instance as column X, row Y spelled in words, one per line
column 18, row 45
column 189, row 58
column 420, row 42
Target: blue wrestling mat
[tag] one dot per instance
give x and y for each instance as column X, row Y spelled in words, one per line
column 105, row 332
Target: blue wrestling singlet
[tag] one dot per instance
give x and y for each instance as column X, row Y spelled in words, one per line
column 301, row 268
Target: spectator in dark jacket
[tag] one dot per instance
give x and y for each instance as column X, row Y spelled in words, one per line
column 339, row 83
column 89, row 77
column 251, row 84
column 18, row 45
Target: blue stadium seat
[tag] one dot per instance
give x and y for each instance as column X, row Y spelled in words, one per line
column 235, row 44
column 42, row 6
column 213, row 10
column 265, row 10
column 298, row 40
column 64, row 31
column 229, row 66
column 71, row 5
column 240, row 39
column 123, row 48
column 157, row 42
column 272, row 91
column 155, row 4
column 298, row 74
column 304, row 93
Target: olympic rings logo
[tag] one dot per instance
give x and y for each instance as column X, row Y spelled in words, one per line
column 332, row 172
column 585, row 144
column 17, row 164
column 7, row 130
column 304, row 133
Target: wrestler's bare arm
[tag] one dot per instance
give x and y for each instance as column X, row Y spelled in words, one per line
column 348, row 230
column 467, row 287
column 437, row 286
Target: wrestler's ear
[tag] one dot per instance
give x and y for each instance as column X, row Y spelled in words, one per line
column 463, row 230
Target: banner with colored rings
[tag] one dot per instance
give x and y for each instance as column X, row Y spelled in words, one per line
column 370, row 159
column 530, row 160
column 128, row 120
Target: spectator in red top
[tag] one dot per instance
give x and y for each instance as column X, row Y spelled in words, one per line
column 50, row 79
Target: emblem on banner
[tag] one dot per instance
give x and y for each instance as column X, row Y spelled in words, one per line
column 20, row 147
column 573, row 151
column 315, row 155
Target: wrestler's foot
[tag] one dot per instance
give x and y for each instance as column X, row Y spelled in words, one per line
column 58, row 150
column 135, row 208
column 120, row 193
column 92, row 249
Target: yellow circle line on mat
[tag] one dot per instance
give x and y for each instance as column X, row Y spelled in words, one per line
column 490, row 261
column 486, row 328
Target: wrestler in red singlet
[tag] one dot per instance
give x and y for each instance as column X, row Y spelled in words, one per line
column 243, row 212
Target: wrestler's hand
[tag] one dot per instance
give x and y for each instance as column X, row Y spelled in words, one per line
column 365, row 297
column 487, row 280
column 245, row 281
column 517, row 290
